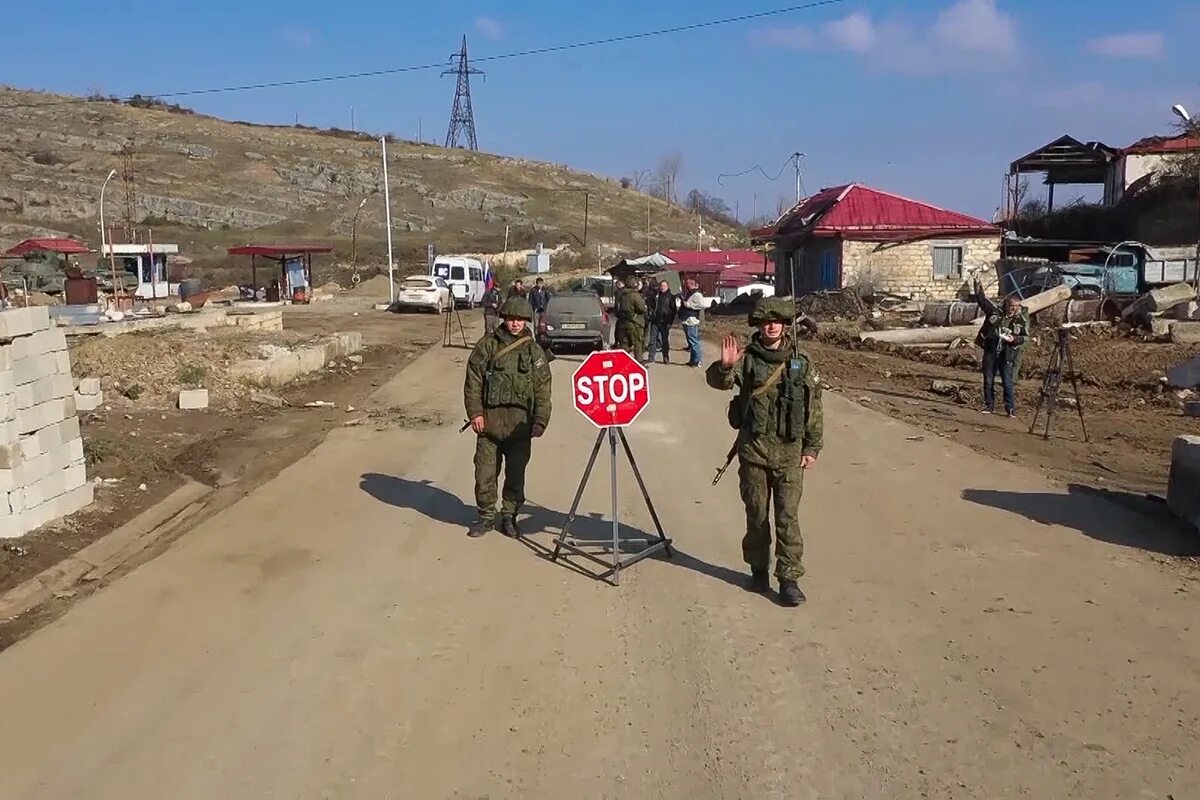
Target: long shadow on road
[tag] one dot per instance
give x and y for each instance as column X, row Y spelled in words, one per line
column 1149, row 527
column 438, row 504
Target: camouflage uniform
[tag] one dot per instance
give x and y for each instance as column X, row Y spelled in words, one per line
column 631, row 322
column 512, row 394
column 775, row 430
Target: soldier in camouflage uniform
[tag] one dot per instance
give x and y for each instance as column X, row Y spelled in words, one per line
column 777, row 412
column 631, row 320
column 507, row 397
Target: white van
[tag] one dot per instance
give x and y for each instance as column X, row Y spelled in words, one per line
column 465, row 276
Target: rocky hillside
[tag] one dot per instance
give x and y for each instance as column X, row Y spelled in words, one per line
column 206, row 183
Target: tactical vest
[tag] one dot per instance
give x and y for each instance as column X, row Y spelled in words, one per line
column 508, row 380
column 780, row 409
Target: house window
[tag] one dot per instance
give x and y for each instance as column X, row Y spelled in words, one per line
column 947, row 262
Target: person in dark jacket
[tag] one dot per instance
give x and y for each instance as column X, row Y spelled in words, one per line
column 491, row 308
column 1003, row 333
column 661, row 310
column 539, row 297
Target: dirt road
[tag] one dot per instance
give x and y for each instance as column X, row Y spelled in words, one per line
column 973, row 631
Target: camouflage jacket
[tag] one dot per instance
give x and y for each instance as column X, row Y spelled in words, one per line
column 631, row 307
column 511, row 392
column 784, row 422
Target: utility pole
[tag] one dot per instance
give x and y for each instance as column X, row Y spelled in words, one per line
column 129, row 181
column 796, row 163
column 462, row 115
column 352, row 128
column 587, row 201
column 647, row 224
column 387, row 204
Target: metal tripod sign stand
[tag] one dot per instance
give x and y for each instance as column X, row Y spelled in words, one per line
column 448, row 328
column 614, row 566
column 1060, row 357
column 610, row 388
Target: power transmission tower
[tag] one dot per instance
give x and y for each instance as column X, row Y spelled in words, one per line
column 462, row 116
column 129, row 180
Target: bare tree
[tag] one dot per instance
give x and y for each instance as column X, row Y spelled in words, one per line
column 709, row 206
column 665, row 181
column 783, row 204
column 638, row 179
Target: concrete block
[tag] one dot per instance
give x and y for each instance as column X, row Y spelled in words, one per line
column 88, row 402
column 311, row 359
column 1187, row 311
column 1183, row 497
column 1191, row 408
column 32, row 368
column 43, row 415
column 39, row 344
column 62, row 362
column 1185, row 375
column 53, row 387
column 16, row 322
column 1161, row 326
column 75, row 450
column 8, row 407
column 193, row 399
column 1185, row 332
column 89, row 386
column 7, row 383
column 6, row 358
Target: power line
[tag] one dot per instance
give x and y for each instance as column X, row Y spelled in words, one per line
column 629, row 37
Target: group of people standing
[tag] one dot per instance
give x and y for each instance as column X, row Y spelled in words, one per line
column 646, row 315
column 538, row 298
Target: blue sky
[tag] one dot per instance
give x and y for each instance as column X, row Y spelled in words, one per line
column 929, row 98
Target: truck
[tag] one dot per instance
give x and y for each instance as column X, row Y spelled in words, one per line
column 1121, row 272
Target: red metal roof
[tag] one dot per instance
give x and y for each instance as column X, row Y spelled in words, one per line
column 690, row 258
column 278, row 250
column 857, row 211
column 64, row 246
column 1153, row 145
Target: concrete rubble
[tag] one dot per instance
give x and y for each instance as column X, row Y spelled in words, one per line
column 1185, row 332
column 1182, row 496
column 1159, row 300
column 280, row 366
column 42, row 473
column 1185, row 375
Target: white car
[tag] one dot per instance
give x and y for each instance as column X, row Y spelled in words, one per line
column 428, row 292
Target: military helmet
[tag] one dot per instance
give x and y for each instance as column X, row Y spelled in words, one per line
column 516, row 307
column 773, row 309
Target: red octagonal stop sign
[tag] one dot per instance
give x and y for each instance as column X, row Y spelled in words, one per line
column 610, row 388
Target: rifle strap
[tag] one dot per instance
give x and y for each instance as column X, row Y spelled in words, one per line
column 508, row 348
column 770, row 382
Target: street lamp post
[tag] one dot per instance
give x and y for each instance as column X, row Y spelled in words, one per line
column 112, row 258
column 354, row 232
column 1194, row 131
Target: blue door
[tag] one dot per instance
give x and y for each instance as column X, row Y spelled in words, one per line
column 829, row 270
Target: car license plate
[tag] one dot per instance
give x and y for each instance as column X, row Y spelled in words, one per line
column 574, row 326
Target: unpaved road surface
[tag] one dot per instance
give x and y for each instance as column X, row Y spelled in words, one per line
column 973, row 631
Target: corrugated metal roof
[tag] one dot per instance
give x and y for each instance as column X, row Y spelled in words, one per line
column 1153, row 145
column 66, row 246
column 854, row 208
column 687, row 258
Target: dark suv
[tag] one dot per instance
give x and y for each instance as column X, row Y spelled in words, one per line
column 574, row 318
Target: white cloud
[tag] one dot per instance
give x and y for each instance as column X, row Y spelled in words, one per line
column 965, row 35
column 1145, row 45
column 299, row 37
column 976, row 26
column 855, row 33
column 489, row 27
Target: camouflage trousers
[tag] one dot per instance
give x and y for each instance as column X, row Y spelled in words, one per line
column 632, row 339
column 763, row 488
column 490, row 455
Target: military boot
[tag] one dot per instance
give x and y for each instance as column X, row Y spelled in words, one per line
column 760, row 581
column 480, row 527
column 508, row 526
column 790, row 594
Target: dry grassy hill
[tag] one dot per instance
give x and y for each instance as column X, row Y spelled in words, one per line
column 207, row 183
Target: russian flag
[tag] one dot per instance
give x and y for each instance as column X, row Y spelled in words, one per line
column 489, row 280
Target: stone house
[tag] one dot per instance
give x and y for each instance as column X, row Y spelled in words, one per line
column 853, row 236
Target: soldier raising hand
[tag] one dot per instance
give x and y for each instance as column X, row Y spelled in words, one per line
column 777, row 413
